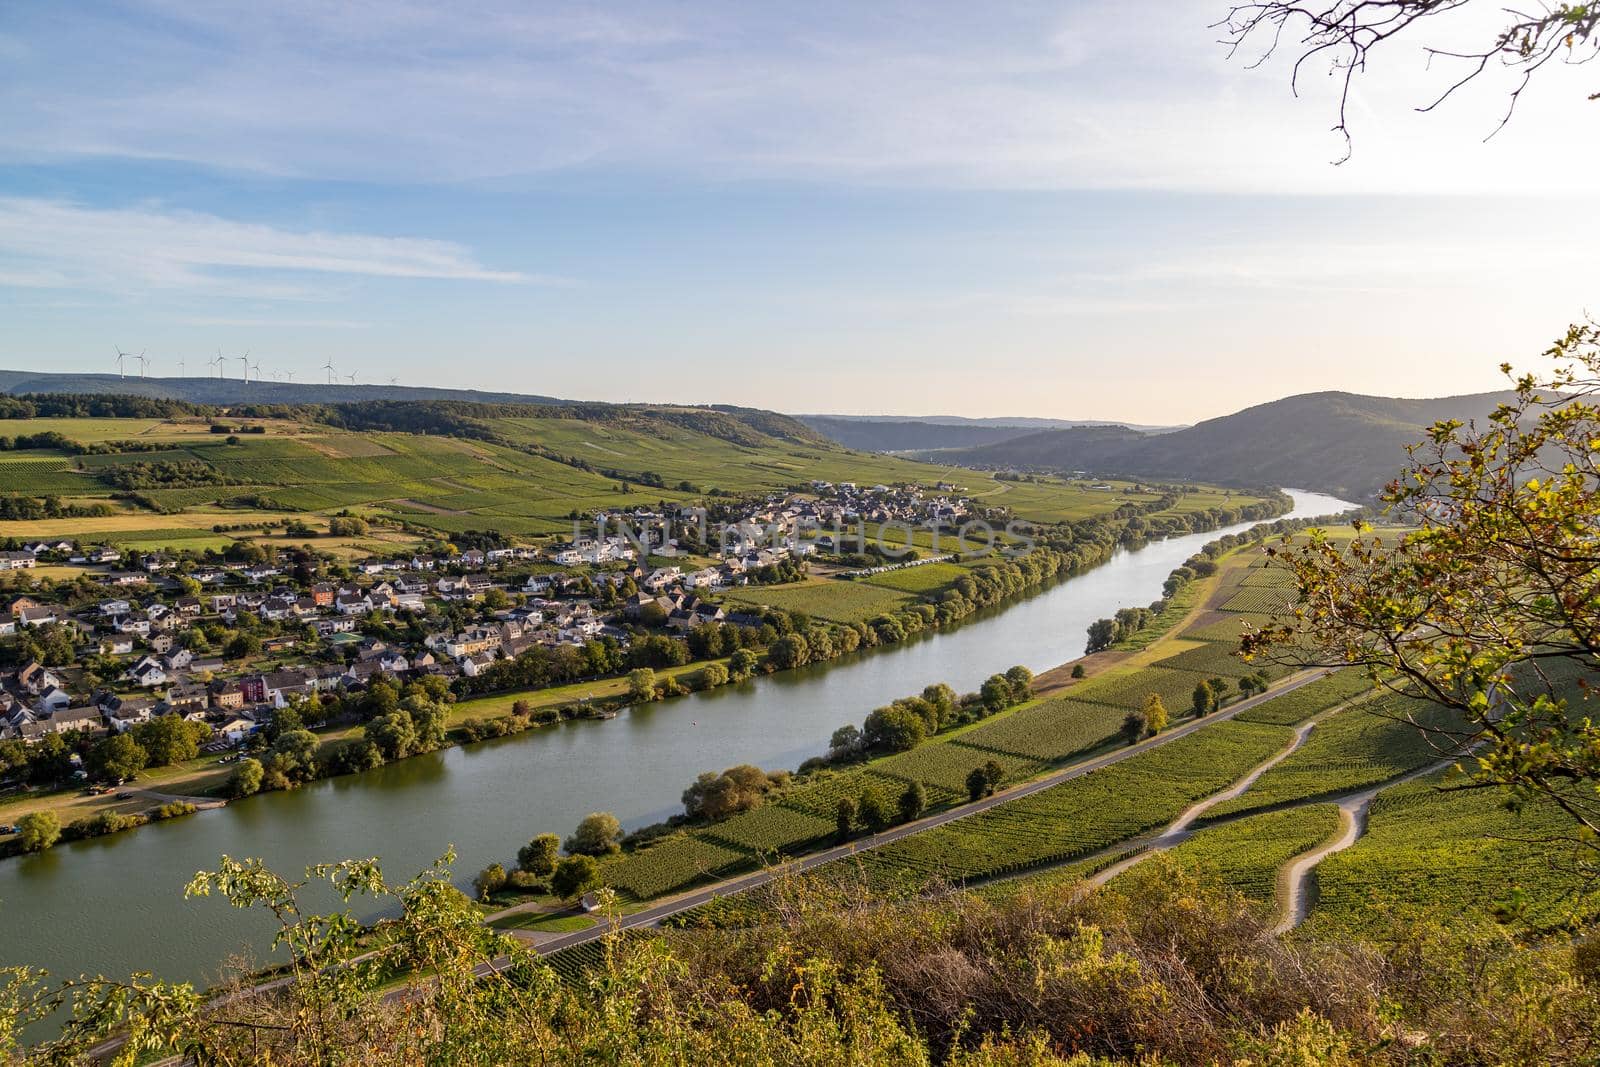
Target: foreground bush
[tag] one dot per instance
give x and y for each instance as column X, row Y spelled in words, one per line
column 1165, row 969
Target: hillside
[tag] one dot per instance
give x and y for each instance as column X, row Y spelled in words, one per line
column 155, row 473
column 233, row 390
column 887, row 433
column 1340, row 443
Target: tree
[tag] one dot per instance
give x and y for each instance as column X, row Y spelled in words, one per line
column 381, row 698
column 993, row 773
column 50, row 760
column 38, row 830
column 1220, row 687
column 1155, row 714
column 170, row 739
column 1078, row 671
column 1021, row 679
column 539, row 855
column 977, row 784
column 575, row 876
column 1202, row 699
column 895, row 728
column 1133, row 727
column 717, row 796
column 596, row 835
column 712, row 675
column 641, row 684
column 742, row 664
column 489, row 881
column 1341, row 36
column 844, row 818
column 1491, row 607
column 996, row 693
column 242, row 646
column 1102, row 635
column 496, row 600
column 295, row 754
column 118, row 758
column 873, row 810
column 846, row 741
column 394, row 735
column 788, row 651
column 246, row 778
column 913, row 802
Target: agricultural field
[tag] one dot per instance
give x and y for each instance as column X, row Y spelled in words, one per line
column 1360, row 746
column 1050, row 731
column 674, row 862
column 1262, row 599
column 1247, row 854
column 1433, row 851
column 1297, row 706
column 823, row 598
column 1083, row 815
column 1128, row 691
column 926, row 579
column 450, row 485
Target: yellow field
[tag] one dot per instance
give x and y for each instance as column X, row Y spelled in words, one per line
column 93, row 431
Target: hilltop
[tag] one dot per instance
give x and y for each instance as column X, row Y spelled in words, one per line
column 1334, row 442
column 232, row 390
column 890, row 433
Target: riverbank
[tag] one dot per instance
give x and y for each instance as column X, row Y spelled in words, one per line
column 485, row 798
column 992, row 584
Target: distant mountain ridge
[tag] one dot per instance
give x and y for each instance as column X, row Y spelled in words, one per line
column 893, row 433
column 1334, row 442
column 213, row 390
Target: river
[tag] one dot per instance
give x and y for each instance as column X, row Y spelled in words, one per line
column 114, row 905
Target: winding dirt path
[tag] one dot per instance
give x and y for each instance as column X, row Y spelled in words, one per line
column 1295, row 880
column 1178, row 830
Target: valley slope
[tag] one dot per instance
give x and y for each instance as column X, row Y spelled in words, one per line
column 1340, row 443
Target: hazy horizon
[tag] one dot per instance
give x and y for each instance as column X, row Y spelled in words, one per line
column 1036, row 210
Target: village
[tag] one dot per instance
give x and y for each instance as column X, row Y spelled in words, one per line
column 227, row 642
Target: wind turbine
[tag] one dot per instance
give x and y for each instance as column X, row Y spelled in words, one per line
column 217, row 363
column 257, row 368
column 392, row 381
column 352, row 377
column 328, row 366
column 245, row 359
column 290, row 375
column 144, row 361
column 121, row 355
column 182, row 367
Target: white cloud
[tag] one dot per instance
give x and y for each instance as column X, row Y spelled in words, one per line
column 1015, row 95
column 54, row 244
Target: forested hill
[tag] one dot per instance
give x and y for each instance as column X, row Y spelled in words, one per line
column 891, row 434
column 233, row 390
column 1339, row 443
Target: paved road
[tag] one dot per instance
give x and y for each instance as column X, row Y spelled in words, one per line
column 653, row 915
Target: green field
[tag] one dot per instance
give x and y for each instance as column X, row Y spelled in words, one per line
column 1437, row 852
column 1080, row 816
column 1248, row 854
column 1352, row 749
column 449, row 484
column 824, row 598
column 922, row 580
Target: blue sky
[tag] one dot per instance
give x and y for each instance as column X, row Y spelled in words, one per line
column 1030, row 209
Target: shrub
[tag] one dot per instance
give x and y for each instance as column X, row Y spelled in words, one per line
column 37, row 831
